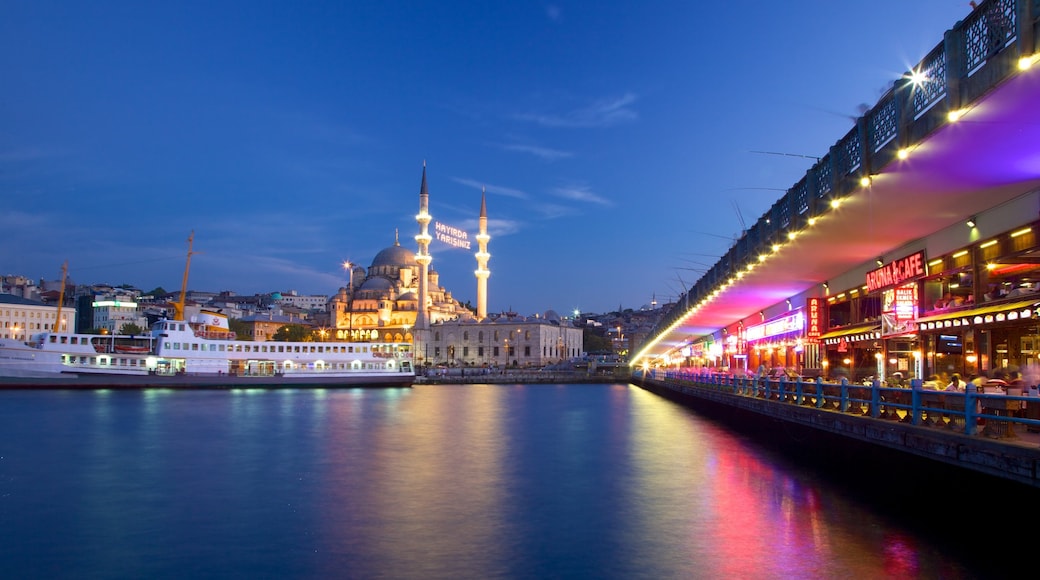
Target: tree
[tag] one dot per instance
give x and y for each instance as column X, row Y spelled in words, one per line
column 158, row 292
column 131, row 329
column 241, row 329
column 293, row 333
column 595, row 342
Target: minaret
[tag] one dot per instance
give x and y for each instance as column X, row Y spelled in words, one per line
column 483, row 256
column 422, row 319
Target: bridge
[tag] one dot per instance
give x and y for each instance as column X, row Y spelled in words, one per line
column 956, row 135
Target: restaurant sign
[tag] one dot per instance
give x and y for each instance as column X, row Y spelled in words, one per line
column 815, row 318
column 897, row 272
column 783, row 325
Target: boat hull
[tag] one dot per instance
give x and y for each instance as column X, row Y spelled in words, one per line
column 183, row 381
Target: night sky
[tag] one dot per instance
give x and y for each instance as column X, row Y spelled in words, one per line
column 622, row 145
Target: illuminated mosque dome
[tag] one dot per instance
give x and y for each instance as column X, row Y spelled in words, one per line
column 387, row 295
column 395, row 255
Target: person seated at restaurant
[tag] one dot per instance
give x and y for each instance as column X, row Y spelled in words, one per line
column 932, row 383
column 957, row 301
column 944, row 302
column 1015, row 380
column 996, row 292
column 894, row 380
column 1022, row 290
column 956, row 383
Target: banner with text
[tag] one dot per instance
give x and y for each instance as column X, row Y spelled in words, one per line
column 451, row 235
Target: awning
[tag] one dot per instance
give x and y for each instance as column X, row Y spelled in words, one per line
column 1017, row 310
column 869, row 331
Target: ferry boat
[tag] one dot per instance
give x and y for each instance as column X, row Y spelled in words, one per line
column 201, row 352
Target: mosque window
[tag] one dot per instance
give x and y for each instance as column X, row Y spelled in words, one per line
column 465, row 335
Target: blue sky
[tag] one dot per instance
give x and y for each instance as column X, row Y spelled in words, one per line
column 617, row 140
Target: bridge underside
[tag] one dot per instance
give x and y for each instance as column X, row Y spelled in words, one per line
column 988, row 157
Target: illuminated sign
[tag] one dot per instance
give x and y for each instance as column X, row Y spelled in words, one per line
column 896, row 272
column 899, row 310
column 906, row 302
column 113, row 303
column 453, row 236
column 783, row 325
column 815, row 326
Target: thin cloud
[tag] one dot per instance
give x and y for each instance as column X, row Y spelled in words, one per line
column 543, row 152
column 580, row 193
column 603, row 113
column 551, row 211
column 553, row 12
column 495, row 189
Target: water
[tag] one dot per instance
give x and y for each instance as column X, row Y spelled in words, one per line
column 438, row 481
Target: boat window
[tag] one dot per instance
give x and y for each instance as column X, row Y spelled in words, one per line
column 194, row 346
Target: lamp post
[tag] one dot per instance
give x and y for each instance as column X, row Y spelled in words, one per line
column 350, row 299
column 14, row 332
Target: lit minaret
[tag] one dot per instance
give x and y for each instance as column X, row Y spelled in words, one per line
column 483, row 256
column 422, row 319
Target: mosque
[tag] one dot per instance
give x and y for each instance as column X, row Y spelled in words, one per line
column 383, row 303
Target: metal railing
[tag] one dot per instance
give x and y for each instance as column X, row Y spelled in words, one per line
column 1000, row 416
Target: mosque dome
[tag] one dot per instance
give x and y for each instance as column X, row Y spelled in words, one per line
column 408, row 296
column 551, row 315
column 376, row 283
column 395, row 255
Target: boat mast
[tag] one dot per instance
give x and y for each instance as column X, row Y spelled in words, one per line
column 61, row 297
column 178, row 309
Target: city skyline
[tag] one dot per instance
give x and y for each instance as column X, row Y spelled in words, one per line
column 621, row 150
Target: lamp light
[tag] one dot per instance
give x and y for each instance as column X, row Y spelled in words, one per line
column 880, row 261
column 971, row 222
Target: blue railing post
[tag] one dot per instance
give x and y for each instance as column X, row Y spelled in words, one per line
column 819, row 392
column 798, row 391
column 970, row 401
column 915, row 401
column 844, row 403
column 875, row 399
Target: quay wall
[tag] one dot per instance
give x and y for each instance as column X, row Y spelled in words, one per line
column 1016, row 462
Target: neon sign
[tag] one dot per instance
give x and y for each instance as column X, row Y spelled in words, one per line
column 896, row 272
column 451, row 235
column 783, row 325
column 815, row 307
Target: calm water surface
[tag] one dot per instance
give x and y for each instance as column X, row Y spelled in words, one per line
column 439, row 481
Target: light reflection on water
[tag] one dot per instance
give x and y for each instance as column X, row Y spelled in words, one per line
column 463, row 481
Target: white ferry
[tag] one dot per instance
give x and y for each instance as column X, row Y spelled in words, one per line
column 199, row 353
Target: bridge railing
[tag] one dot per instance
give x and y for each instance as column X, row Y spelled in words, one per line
column 1003, row 416
column 976, row 55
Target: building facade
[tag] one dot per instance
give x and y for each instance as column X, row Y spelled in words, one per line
column 507, row 340
column 21, row 318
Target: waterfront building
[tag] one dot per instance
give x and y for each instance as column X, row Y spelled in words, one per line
column 263, row 327
column 310, row 302
column 112, row 313
column 507, row 339
column 20, row 318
